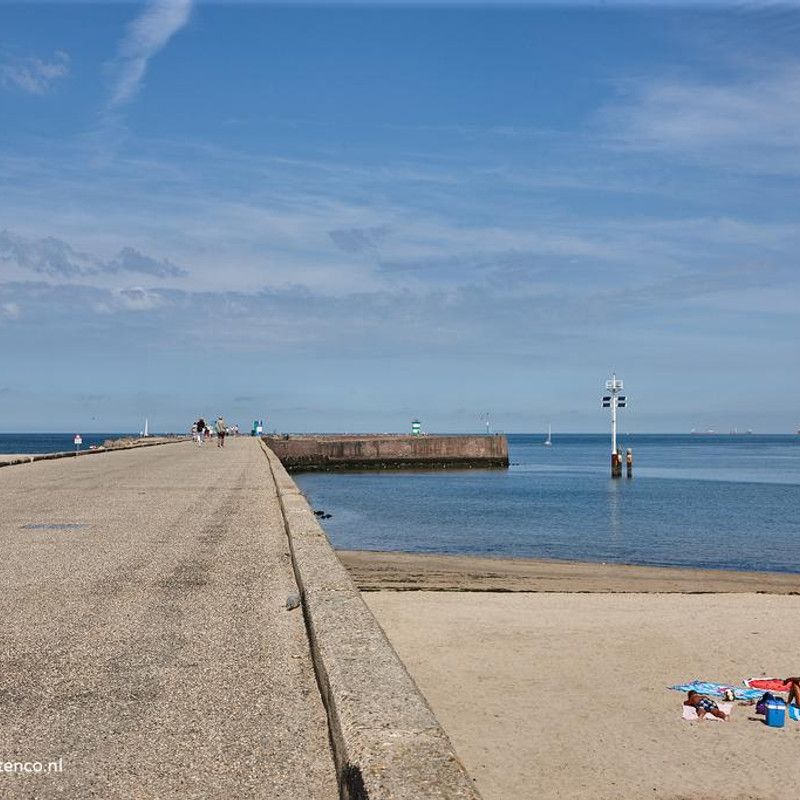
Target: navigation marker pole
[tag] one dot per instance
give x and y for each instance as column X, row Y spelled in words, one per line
column 614, row 400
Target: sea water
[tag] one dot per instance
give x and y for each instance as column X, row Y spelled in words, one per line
column 20, row 443
column 714, row 501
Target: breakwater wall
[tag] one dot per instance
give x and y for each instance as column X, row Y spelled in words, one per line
column 109, row 446
column 332, row 452
column 387, row 744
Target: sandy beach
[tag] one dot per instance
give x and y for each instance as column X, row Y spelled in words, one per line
column 558, row 694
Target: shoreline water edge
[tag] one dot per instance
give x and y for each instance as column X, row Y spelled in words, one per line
column 376, row 570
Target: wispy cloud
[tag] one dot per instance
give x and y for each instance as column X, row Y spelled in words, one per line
column 131, row 260
column 357, row 240
column 754, row 119
column 9, row 310
column 146, row 35
column 55, row 257
column 294, row 228
column 35, row 75
column 139, row 299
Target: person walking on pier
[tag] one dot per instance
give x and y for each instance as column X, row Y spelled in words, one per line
column 221, row 429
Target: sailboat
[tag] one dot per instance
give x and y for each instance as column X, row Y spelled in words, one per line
column 548, row 442
column 145, row 433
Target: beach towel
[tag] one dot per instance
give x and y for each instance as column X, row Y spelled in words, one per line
column 718, row 690
column 690, row 712
column 768, row 684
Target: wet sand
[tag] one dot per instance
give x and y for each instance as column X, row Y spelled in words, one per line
column 563, row 695
column 376, row 571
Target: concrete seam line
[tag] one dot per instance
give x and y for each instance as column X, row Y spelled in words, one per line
column 323, row 686
column 388, row 744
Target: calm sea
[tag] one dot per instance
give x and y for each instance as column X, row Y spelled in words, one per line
column 706, row 501
column 50, row 442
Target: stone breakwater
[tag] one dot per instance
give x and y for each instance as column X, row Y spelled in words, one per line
column 333, row 452
column 109, row 445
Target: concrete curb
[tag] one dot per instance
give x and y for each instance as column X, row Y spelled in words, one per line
column 70, row 454
column 387, row 743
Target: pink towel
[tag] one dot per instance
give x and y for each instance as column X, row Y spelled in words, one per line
column 690, row 712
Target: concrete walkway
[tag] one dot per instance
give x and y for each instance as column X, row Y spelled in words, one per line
column 149, row 648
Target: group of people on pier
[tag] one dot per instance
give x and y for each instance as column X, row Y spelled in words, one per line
column 202, row 431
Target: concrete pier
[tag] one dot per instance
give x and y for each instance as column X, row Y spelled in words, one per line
column 146, row 645
column 332, row 452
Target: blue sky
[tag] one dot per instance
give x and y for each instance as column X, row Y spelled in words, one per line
column 342, row 217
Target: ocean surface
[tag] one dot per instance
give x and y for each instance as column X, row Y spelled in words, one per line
column 50, row 442
column 714, row 501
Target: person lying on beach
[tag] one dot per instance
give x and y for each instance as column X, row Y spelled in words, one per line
column 794, row 690
column 703, row 704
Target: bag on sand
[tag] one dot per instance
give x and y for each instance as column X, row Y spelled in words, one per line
column 761, row 705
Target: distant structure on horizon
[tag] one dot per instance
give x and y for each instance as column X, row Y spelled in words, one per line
column 712, row 432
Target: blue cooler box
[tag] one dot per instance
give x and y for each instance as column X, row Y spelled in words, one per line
column 776, row 713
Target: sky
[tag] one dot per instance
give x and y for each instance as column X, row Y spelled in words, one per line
column 339, row 218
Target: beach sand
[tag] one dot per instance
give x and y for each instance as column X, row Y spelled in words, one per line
column 375, row 570
column 563, row 694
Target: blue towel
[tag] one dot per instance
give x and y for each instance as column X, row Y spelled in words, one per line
column 718, row 690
